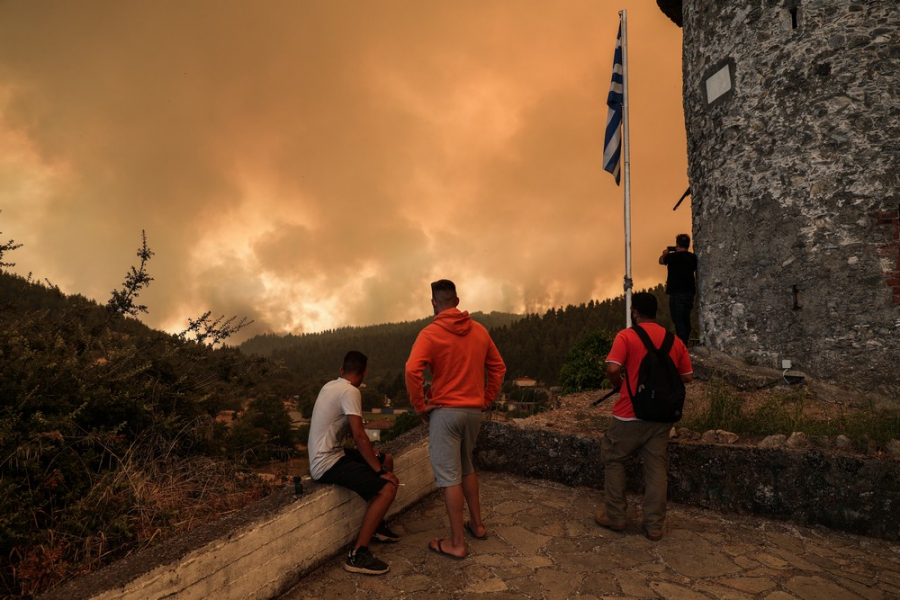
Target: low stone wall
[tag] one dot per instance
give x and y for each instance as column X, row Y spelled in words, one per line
column 261, row 551
column 265, row 549
column 848, row 493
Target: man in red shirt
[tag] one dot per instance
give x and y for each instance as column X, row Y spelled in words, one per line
column 466, row 371
column 628, row 435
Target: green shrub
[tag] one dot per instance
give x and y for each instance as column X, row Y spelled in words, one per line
column 302, row 434
column 585, row 366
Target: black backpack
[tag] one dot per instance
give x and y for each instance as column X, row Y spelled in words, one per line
column 659, row 395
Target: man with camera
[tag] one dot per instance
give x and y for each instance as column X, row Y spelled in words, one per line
column 680, row 283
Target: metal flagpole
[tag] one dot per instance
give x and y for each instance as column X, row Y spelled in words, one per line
column 623, row 17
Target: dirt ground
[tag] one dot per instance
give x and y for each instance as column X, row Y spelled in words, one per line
column 575, row 414
column 716, row 373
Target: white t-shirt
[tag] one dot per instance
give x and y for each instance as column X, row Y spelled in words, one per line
column 329, row 424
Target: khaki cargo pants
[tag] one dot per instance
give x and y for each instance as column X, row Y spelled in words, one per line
column 650, row 441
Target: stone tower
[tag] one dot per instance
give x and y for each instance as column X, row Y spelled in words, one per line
column 792, row 111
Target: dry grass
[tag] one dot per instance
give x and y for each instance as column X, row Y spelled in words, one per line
column 145, row 500
column 819, row 411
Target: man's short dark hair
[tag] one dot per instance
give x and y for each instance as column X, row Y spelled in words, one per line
column 645, row 303
column 683, row 240
column 443, row 290
column 355, row 363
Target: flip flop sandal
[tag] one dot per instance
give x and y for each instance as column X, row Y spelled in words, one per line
column 440, row 550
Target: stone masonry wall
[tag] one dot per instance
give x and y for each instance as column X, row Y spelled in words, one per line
column 792, row 110
column 843, row 492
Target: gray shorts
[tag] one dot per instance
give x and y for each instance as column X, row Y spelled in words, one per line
column 452, row 433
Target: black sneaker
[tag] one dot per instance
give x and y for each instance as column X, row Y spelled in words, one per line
column 384, row 534
column 363, row 561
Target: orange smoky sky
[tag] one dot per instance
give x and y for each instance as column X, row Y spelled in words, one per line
column 316, row 164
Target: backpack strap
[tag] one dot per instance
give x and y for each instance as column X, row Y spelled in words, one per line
column 648, row 344
column 664, row 348
column 627, row 384
column 667, row 344
column 645, row 339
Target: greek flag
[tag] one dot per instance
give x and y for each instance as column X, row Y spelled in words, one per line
column 612, row 145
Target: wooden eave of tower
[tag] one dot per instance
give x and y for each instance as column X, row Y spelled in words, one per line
column 672, row 9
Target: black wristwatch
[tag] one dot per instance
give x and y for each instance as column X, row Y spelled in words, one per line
column 382, row 471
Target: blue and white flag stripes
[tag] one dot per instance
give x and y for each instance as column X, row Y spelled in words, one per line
column 612, row 144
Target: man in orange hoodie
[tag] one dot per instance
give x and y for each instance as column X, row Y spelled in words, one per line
column 458, row 352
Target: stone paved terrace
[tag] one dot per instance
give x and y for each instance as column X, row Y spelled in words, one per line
column 544, row 544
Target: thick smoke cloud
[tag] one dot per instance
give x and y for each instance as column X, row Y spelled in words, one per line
column 315, row 164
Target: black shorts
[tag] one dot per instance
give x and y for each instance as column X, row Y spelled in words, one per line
column 354, row 473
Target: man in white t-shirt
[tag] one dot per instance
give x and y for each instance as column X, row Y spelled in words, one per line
column 338, row 409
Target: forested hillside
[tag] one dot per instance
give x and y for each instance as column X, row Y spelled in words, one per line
column 271, row 343
column 537, row 345
column 533, row 345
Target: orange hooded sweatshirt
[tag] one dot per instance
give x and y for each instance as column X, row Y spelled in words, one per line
column 458, row 351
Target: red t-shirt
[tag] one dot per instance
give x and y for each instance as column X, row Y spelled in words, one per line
column 628, row 350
